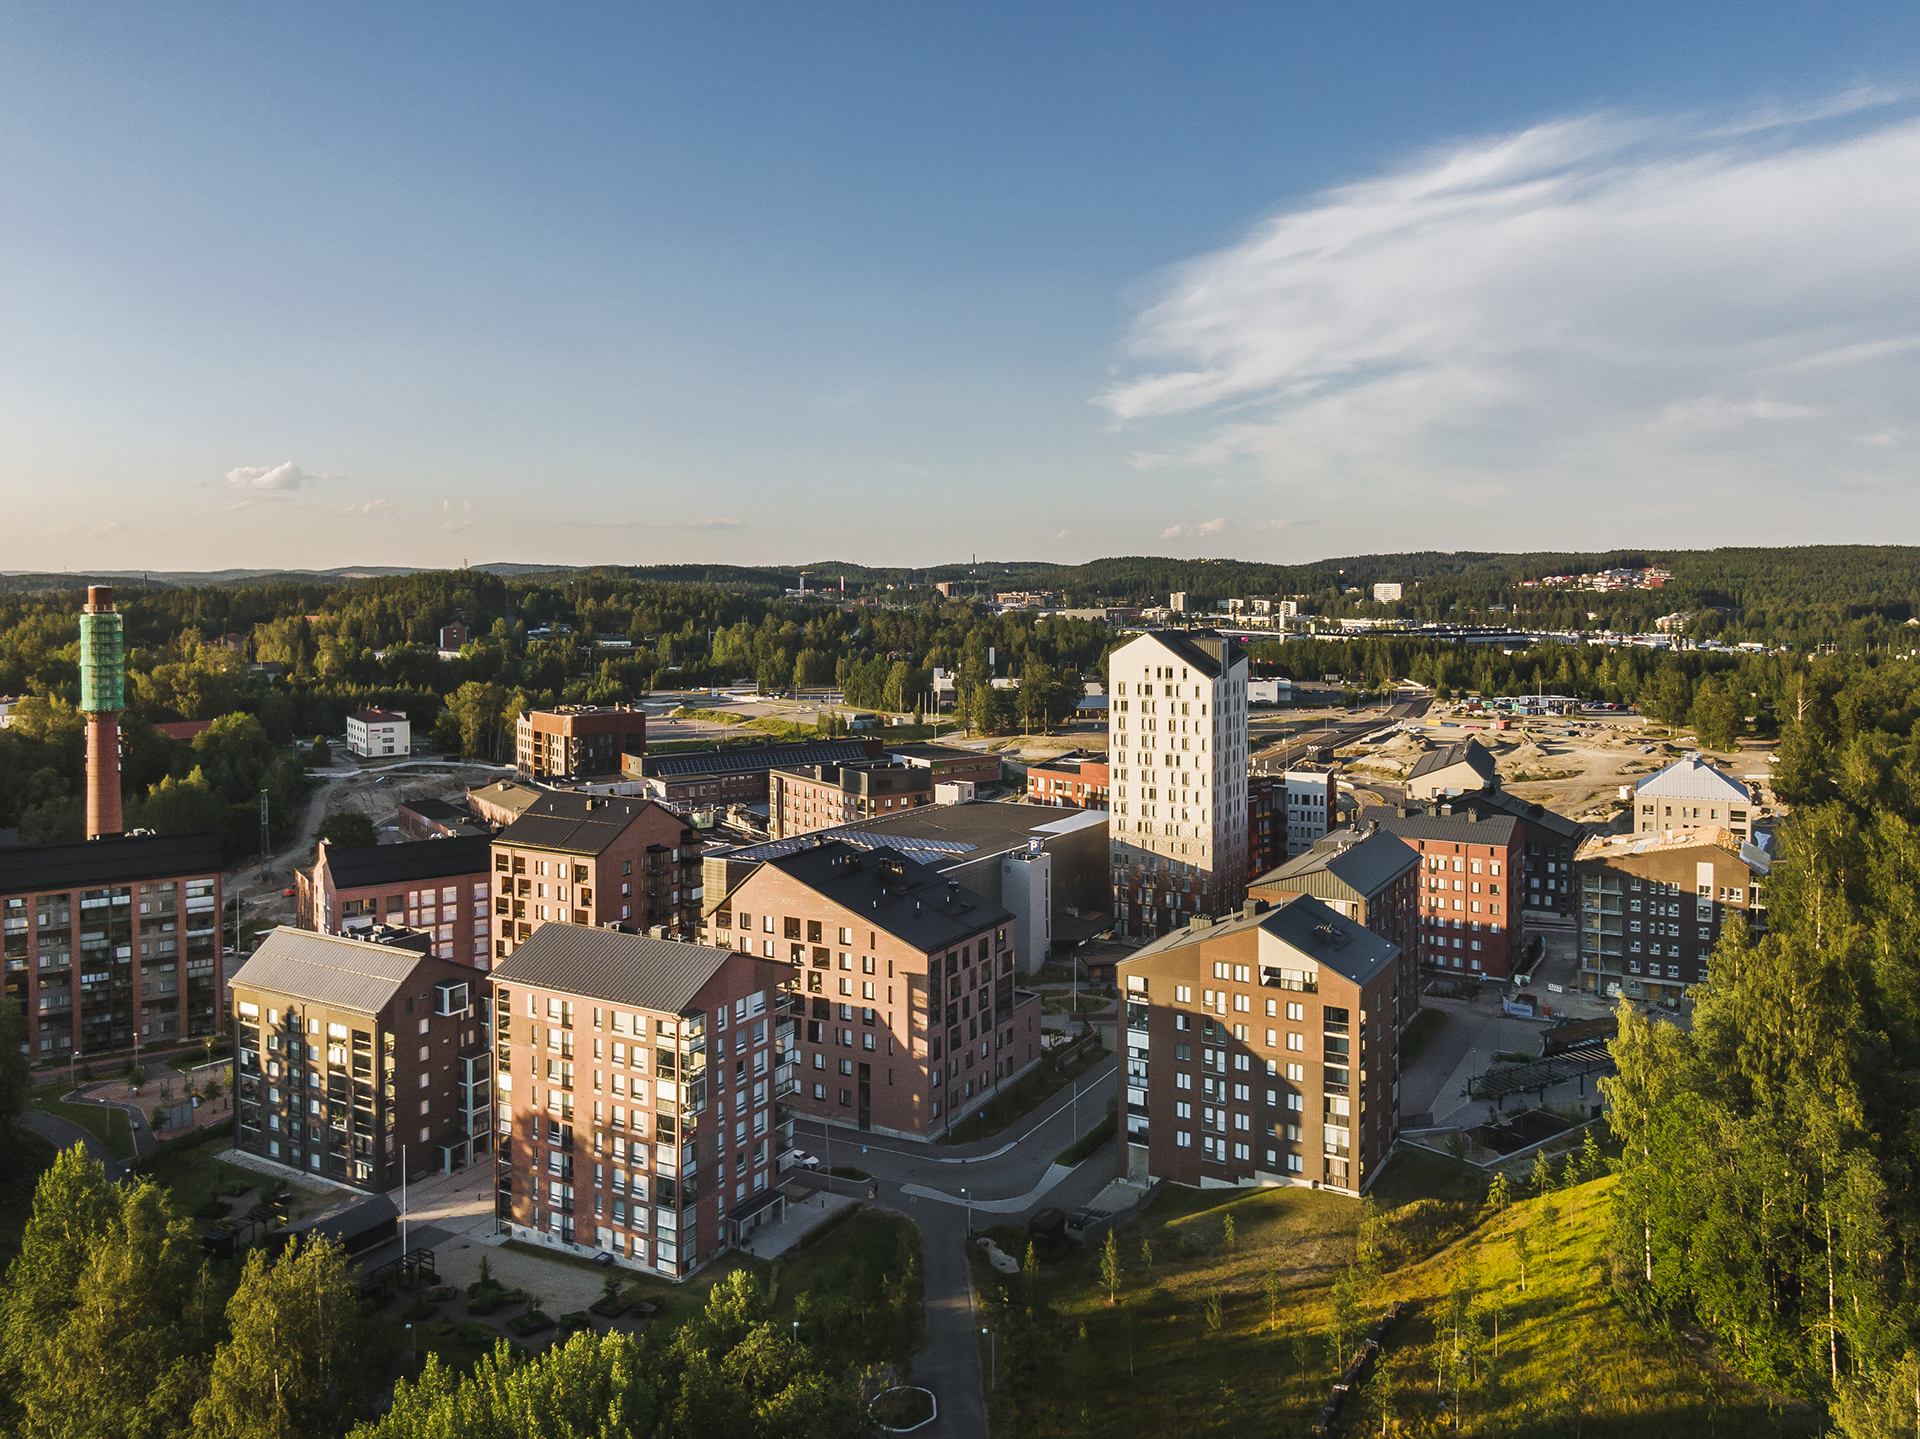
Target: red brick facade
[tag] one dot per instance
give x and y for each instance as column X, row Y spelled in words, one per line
column 1070, row 783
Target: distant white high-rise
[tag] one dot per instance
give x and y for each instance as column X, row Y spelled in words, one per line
column 1177, row 833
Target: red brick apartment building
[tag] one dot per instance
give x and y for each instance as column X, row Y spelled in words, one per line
column 1266, row 824
column 911, row 1020
column 640, row 1086
column 739, row 774
column 349, row 1056
column 1071, row 781
column 821, row 796
column 591, row 859
column 577, row 741
column 113, row 942
column 436, row 886
column 1261, row 1049
column 1469, row 867
column 1366, row 874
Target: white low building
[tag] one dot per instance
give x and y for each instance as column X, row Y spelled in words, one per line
column 373, row 733
column 1692, row 794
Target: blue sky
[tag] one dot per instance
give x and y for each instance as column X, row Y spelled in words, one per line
column 899, row 283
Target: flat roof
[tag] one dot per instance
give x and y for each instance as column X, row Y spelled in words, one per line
column 122, row 859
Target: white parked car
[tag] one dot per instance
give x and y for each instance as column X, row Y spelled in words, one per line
column 800, row 1159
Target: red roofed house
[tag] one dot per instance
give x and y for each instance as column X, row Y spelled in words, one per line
column 378, row 732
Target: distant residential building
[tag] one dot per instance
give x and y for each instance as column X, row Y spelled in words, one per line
column 184, row 731
column 7, row 703
column 945, row 761
column 912, row 1019
column 585, row 859
column 372, row 733
column 1270, row 692
column 347, row 1054
column 1450, row 770
column 739, row 775
column 1689, row 794
column 1675, row 623
column 1266, row 824
column 1178, row 835
column 1072, row 780
column 502, row 802
column 1311, row 804
column 804, row 798
column 453, row 636
column 1368, row 875
column 1177, row 602
column 112, row 942
column 641, row 1085
column 578, row 741
column 438, row 887
column 434, row 819
column 1469, row 913
column 1262, row 1049
column 1092, row 707
column 1386, row 594
column 1544, row 885
column 1653, row 906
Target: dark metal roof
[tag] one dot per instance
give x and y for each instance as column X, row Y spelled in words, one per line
column 1363, row 863
column 1197, row 648
column 757, row 757
column 442, row 811
column 1460, row 827
column 1536, row 816
column 330, row 969
column 124, row 859
column 893, row 892
column 415, row 860
column 1317, row 931
column 1468, row 752
column 574, row 823
column 632, row 969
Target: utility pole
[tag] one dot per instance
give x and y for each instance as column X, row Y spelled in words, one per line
column 265, row 849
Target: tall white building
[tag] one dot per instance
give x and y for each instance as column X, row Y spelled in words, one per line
column 1177, row 833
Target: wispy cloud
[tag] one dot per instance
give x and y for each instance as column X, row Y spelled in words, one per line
column 706, row 524
column 1695, row 315
column 1194, row 532
column 456, row 518
column 374, row 507
column 284, row 476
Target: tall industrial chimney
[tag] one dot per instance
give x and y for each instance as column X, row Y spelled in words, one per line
column 103, row 684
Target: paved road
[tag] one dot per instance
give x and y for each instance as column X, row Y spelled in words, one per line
column 64, row 1133
column 1009, row 1176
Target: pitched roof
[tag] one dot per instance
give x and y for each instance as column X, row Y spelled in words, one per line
column 328, row 969
column 892, row 892
column 575, row 823
column 634, row 969
column 378, row 717
column 123, row 859
column 1537, row 816
column 1468, row 752
column 1693, row 778
column 1630, row 846
column 1366, row 862
column 1318, row 931
column 1193, row 647
column 1461, row 827
column 507, row 794
column 415, row 860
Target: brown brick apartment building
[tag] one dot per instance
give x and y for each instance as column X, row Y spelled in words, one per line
column 591, row 859
column 1266, row 823
column 804, row 798
column 1261, row 1049
column 642, row 1081
column 1543, row 886
column 113, row 942
column 577, row 741
column 1367, row 875
column 949, row 762
column 1071, row 781
column 1469, row 917
column 912, row 1020
column 436, row 886
column 1653, row 907
column 346, row 1053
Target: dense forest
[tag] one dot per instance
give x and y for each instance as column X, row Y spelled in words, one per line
column 1769, row 1183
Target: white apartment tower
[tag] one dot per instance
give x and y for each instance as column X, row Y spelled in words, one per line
column 1177, row 834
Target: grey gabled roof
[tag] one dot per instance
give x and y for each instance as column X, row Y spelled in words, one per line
column 414, row 860
column 574, row 823
column 1366, row 863
column 1197, row 656
column 328, row 969
column 1693, row 778
column 1316, row 930
column 1468, row 752
column 1460, row 827
column 632, row 969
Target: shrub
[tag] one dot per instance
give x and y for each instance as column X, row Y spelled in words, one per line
column 418, row 1310
column 532, row 1322
column 476, row 1336
column 486, row 1301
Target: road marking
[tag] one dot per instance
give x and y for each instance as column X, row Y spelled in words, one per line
column 1055, row 1173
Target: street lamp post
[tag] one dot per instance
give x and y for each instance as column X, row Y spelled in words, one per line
column 967, row 1199
column 993, row 1359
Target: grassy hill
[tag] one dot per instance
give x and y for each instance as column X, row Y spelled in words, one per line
column 1197, row 1345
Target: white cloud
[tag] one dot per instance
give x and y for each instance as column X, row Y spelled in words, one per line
column 284, row 476
column 1697, row 317
column 372, row 507
column 1194, row 532
column 454, row 517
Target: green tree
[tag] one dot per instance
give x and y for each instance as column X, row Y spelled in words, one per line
column 180, row 806
column 1274, row 1287
column 16, row 1075
column 348, row 829
column 320, row 753
column 1540, row 1180
column 1671, row 698
column 300, row 1352
column 1110, row 1266
column 1716, row 716
column 1498, row 1195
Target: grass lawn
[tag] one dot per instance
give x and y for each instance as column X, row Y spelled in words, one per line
column 194, row 1174
column 1426, row 1024
column 1016, row 1101
column 855, row 1286
column 1195, row 1347
column 108, row 1123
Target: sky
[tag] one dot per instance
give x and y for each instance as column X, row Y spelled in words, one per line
column 904, row 283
